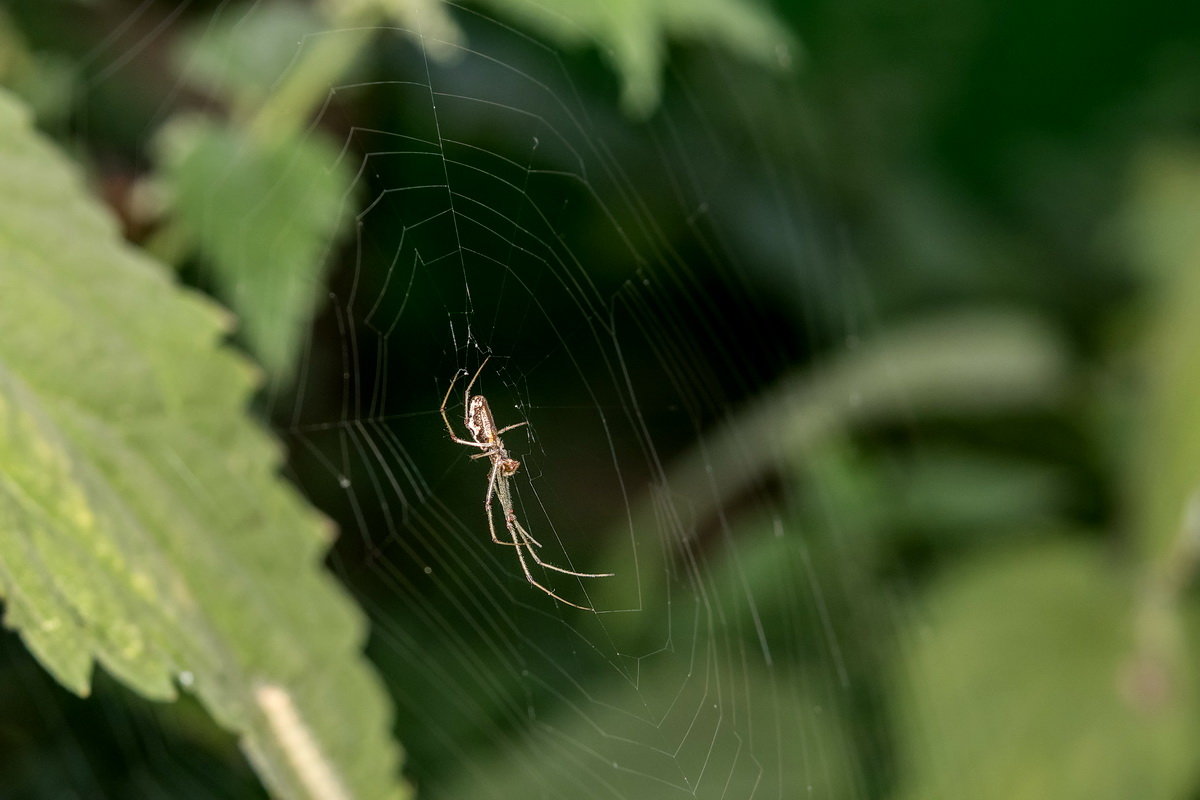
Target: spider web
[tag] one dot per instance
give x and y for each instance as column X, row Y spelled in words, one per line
column 631, row 307
column 509, row 219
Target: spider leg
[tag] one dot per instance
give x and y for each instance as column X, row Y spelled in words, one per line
column 523, row 539
column 529, row 577
column 536, row 558
column 476, row 375
column 467, row 394
column 449, row 428
column 508, row 428
column 526, row 535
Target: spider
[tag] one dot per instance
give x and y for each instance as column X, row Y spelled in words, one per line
column 484, row 435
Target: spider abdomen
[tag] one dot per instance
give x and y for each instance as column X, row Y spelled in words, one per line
column 480, row 421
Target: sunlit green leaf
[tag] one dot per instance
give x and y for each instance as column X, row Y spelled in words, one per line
column 143, row 525
column 264, row 215
column 1022, row 677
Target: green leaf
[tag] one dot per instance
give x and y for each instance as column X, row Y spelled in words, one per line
column 273, row 63
column 240, row 56
column 1165, row 479
column 44, row 80
column 632, row 34
column 427, row 21
column 1023, row 677
column 264, row 215
column 143, row 524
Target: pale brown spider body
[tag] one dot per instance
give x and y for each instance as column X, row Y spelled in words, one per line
column 480, row 423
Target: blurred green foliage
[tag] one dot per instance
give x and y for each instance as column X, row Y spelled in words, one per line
column 962, row 274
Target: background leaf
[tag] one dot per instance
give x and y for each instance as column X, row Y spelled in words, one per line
column 633, row 35
column 242, row 57
column 964, row 363
column 1019, row 680
column 264, row 215
column 1165, row 239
